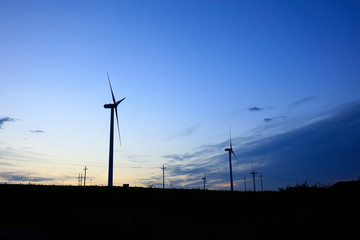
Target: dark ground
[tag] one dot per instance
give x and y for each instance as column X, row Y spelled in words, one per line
column 57, row 212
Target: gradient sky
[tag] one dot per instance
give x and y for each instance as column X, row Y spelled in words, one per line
column 284, row 75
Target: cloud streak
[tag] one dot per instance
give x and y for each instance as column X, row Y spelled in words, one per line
column 270, row 119
column 184, row 133
column 302, row 101
column 6, row 119
column 255, row 109
column 37, row 131
column 22, row 177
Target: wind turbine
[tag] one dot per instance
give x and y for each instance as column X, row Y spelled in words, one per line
column 204, row 180
column 253, row 173
column 112, row 106
column 230, row 150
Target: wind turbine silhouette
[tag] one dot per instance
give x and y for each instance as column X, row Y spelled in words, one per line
column 253, row 173
column 112, row 106
column 204, row 180
column 230, row 150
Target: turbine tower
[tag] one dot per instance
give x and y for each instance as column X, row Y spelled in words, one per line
column 261, row 183
column 230, row 150
column 245, row 183
column 112, row 106
column 253, row 173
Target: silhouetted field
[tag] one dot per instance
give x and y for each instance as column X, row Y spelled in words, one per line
column 57, row 212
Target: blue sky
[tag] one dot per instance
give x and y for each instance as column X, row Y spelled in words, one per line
column 284, row 75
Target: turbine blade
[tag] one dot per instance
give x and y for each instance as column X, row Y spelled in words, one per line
column 112, row 93
column 234, row 154
column 118, row 102
column 117, row 121
column 230, row 139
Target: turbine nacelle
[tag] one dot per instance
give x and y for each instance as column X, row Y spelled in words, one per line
column 113, row 105
column 110, row 105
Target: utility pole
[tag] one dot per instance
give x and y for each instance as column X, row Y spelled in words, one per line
column 163, row 168
column 85, row 175
column 81, row 179
column 245, row 183
column 261, row 176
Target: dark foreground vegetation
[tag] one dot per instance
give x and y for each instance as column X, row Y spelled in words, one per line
column 57, row 212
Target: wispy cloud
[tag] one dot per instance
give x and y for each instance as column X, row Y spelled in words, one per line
column 137, row 158
column 270, row 119
column 6, row 119
column 22, row 177
column 267, row 119
column 255, row 109
column 184, row 133
column 37, row 131
column 302, row 101
column 178, row 157
column 15, row 156
column 6, row 163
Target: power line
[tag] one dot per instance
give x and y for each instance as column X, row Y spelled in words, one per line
column 71, row 163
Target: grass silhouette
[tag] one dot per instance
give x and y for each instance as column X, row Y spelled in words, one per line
column 59, row 212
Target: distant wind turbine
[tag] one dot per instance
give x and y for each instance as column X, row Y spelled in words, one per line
column 112, row 106
column 253, row 173
column 230, row 150
column 204, row 180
